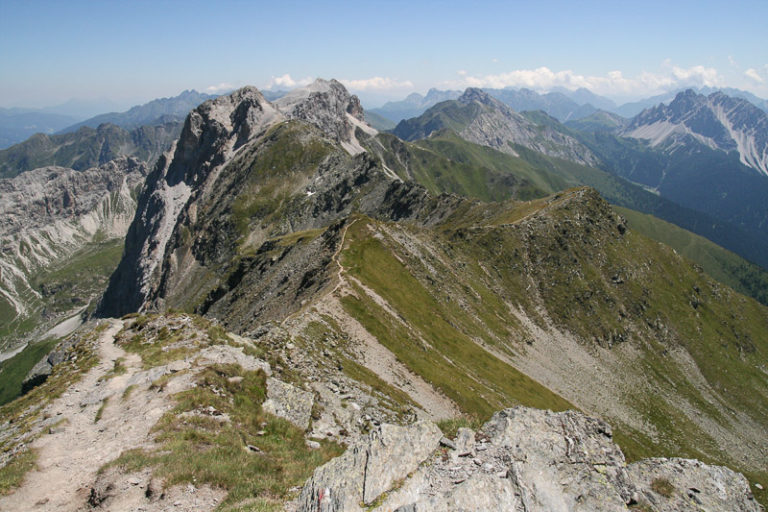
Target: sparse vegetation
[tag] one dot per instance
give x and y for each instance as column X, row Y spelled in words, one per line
column 12, row 474
column 663, row 487
column 162, row 339
column 25, row 411
column 218, row 435
column 450, row 427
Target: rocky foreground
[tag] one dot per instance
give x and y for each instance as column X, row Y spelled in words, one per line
column 522, row 459
column 138, row 431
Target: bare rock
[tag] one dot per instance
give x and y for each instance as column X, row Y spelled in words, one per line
column 289, row 402
column 369, row 468
column 677, row 485
column 522, row 459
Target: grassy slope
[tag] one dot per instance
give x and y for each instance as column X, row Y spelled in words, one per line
column 447, row 303
column 14, row 370
column 721, row 264
column 426, row 337
column 68, row 286
column 447, row 163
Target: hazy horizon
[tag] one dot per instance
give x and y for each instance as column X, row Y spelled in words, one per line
column 131, row 53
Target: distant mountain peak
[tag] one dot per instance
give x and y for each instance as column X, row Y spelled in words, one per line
column 718, row 121
column 474, row 94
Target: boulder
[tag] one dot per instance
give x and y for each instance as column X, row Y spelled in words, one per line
column 677, row 485
column 369, row 468
column 288, row 402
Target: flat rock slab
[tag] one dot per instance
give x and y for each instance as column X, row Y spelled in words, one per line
column 369, row 468
column 288, row 402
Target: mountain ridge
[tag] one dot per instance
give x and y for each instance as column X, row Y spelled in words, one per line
column 157, row 111
column 480, row 118
column 293, row 280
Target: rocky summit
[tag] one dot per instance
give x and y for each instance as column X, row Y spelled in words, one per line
column 310, row 315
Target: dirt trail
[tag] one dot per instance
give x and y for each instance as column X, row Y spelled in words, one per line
column 69, row 458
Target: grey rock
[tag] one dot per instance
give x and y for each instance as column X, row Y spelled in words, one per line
column 37, row 375
column 465, row 442
column 447, row 443
column 677, row 485
column 288, row 402
column 533, row 460
column 393, row 452
column 369, row 467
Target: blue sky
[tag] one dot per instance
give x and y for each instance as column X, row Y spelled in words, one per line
column 130, row 52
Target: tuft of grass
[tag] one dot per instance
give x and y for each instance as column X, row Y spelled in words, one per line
column 12, row 474
column 118, row 368
column 450, row 427
column 100, row 412
column 127, row 392
column 663, row 487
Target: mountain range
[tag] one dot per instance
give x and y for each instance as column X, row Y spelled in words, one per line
column 155, row 112
column 563, row 104
column 17, row 125
column 310, row 313
column 88, row 147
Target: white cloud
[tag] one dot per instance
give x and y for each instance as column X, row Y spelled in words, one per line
column 612, row 83
column 754, row 75
column 377, row 83
column 223, row 86
column 286, row 82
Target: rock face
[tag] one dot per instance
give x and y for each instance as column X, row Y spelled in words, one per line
column 484, row 120
column 685, row 484
column 718, row 121
column 241, row 165
column 328, row 105
column 522, row 459
column 369, row 468
column 48, row 214
column 211, row 133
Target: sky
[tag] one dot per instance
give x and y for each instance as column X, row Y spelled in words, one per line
column 130, row 52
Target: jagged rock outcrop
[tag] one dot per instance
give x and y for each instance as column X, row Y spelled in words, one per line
column 482, row 119
column 717, row 121
column 328, row 105
column 211, row 134
column 523, row 459
column 241, row 161
column 369, row 468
